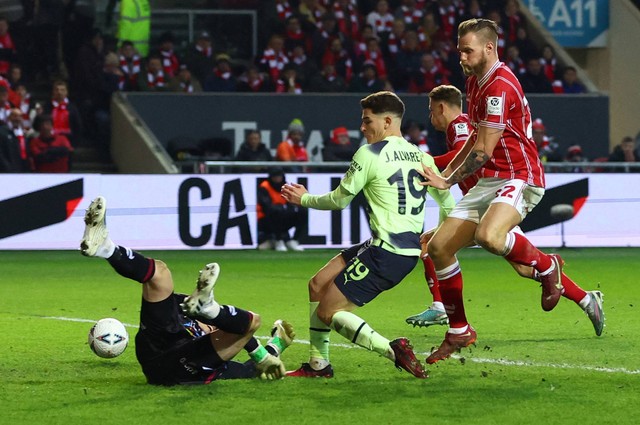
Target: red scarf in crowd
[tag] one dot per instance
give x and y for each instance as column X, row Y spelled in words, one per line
column 60, row 116
column 170, row 64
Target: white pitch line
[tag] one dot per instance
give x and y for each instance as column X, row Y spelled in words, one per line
column 500, row 362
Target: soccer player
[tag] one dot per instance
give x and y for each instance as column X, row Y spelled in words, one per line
column 511, row 183
column 186, row 339
column 445, row 111
column 386, row 170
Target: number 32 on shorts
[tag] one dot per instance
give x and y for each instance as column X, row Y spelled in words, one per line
column 506, row 191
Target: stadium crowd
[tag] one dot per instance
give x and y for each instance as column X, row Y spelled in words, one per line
column 56, row 66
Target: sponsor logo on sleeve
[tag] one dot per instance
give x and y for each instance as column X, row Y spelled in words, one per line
column 461, row 129
column 494, row 105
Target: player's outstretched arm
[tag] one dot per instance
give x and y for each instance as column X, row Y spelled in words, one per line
column 293, row 192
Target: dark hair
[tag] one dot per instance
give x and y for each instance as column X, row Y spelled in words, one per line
column 486, row 27
column 448, row 94
column 41, row 119
column 383, row 101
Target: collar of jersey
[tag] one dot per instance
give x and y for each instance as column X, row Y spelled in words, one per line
column 486, row 76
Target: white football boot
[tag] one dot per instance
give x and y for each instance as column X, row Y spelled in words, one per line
column 201, row 302
column 95, row 235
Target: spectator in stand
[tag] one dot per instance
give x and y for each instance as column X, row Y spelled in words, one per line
column 428, row 76
column 360, row 45
column 24, row 105
column 408, row 61
column 429, row 31
column 305, row 66
column 449, row 13
column 570, row 82
column 289, row 81
column 7, row 48
column 514, row 20
column 547, row 148
column 534, row 80
column 283, row 9
column 348, row 18
column 64, row 114
column 276, row 216
column 626, row 151
column 16, row 124
column 222, row 78
column 170, row 61
column 339, row 146
column 15, row 76
column 514, row 61
column 12, row 158
column 293, row 148
column 252, row 149
column 395, row 41
column 51, row 151
column 496, row 16
column 549, row 63
column 322, row 36
column 295, row 36
column 367, row 81
column 252, row 80
column 274, row 58
column 5, row 105
column 416, row 134
column 373, row 55
column 409, row 13
column 525, row 45
column 473, row 10
column 184, row 82
column 339, row 57
column 448, row 58
column 130, row 65
column 14, row 12
column 381, row 19
column 153, row 77
column 200, row 57
column 574, row 154
column 311, row 11
column 327, row 81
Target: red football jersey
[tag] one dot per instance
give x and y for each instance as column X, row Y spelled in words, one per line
column 457, row 133
column 497, row 101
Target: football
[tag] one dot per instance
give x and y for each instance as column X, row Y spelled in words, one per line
column 108, row 338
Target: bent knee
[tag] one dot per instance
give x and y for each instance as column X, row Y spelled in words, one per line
column 316, row 287
column 325, row 315
column 437, row 250
column 491, row 241
column 256, row 322
column 161, row 270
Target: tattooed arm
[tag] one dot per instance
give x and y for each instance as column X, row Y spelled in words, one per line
column 477, row 156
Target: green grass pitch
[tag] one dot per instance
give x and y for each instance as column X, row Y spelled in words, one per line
column 529, row 367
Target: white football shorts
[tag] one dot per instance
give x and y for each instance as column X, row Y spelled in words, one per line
column 517, row 193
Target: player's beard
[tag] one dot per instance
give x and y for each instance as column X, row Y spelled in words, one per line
column 477, row 69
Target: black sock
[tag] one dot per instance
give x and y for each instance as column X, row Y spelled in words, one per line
column 132, row 264
column 230, row 319
column 251, row 345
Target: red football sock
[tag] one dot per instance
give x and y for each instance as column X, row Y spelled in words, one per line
column 523, row 252
column 431, row 278
column 571, row 290
column 450, row 280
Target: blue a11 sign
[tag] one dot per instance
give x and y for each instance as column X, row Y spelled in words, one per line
column 574, row 23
